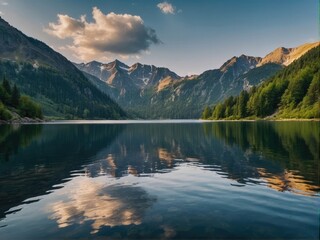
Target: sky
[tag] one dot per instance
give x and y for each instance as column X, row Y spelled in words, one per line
column 187, row 36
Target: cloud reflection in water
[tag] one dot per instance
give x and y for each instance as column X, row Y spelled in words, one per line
column 90, row 201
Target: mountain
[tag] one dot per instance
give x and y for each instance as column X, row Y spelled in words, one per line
column 130, row 86
column 50, row 79
column 254, row 77
column 292, row 93
column 151, row 92
column 17, row 47
column 285, row 56
column 119, row 75
column 187, row 97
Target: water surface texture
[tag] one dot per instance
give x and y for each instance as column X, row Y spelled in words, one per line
column 160, row 180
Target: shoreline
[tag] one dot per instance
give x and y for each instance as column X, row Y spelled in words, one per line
column 294, row 120
column 22, row 121
column 26, row 121
column 269, row 120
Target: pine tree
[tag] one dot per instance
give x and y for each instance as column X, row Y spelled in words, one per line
column 206, row 113
column 5, row 92
column 242, row 104
column 6, row 86
column 15, row 96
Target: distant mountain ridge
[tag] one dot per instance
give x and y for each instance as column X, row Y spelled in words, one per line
column 118, row 74
column 154, row 92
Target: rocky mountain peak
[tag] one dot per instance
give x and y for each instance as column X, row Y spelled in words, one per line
column 285, row 56
column 118, row 73
column 242, row 62
column 278, row 56
column 118, row 65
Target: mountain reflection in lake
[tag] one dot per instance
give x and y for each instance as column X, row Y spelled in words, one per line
column 188, row 180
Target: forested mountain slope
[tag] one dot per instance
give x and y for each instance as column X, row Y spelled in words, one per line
column 50, row 79
column 291, row 93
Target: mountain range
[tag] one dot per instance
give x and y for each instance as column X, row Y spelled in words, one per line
column 115, row 90
column 147, row 91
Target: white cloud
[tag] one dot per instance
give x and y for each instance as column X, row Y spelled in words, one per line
column 166, row 8
column 4, row 3
column 122, row 34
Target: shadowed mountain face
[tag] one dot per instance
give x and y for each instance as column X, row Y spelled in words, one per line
column 17, row 47
column 50, row 78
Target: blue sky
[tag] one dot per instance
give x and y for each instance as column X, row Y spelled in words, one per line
column 189, row 38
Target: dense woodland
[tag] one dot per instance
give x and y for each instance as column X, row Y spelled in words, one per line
column 292, row 93
column 13, row 104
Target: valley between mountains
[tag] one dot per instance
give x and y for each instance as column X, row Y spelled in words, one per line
column 114, row 90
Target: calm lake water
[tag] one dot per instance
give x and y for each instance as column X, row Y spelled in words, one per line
column 160, row 180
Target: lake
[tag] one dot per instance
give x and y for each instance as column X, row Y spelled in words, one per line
column 160, row 180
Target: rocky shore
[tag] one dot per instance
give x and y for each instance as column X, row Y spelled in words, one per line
column 24, row 120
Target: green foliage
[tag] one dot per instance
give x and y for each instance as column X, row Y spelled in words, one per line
column 11, row 100
column 219, row 111
column 292, row 93
column 297, row 88
column 242, row 104
column 4, row 93
column 230, row 108
column 61, row 94
column 28, row 108
column 206, row 113
column 86, row 113
column 313, row 92
column 4, row 113
column 6, row 86
column 15, row 97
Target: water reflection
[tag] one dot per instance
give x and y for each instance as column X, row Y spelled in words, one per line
column 34, row 158
column 15, row 137
column 284, row 154
column 257, row 153
column 100, row 177
column 91, row 201
column 288, row 181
